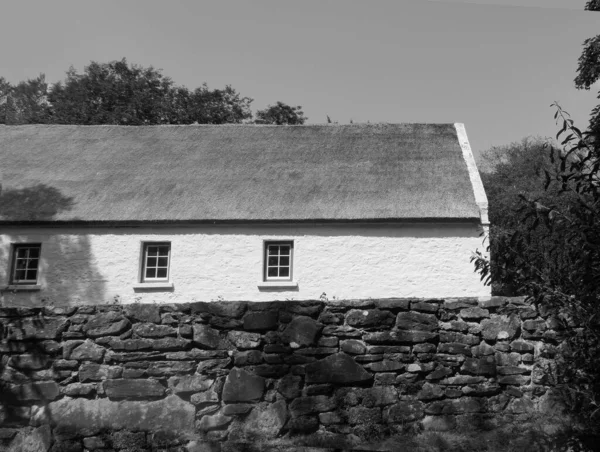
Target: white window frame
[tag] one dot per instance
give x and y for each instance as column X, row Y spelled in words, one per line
column 24, row 284
column 144, row 265
column 266, row 266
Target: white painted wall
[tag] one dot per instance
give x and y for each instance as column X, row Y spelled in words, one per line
column 95, row 265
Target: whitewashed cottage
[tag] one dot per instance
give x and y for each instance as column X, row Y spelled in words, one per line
column 238, row 212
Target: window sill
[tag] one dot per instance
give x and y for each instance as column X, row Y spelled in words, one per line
column 277, row 285
column 153, row 286
column 24, row 287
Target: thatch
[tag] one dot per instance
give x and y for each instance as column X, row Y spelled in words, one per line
column 237, row 172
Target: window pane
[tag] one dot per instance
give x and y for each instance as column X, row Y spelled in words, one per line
column 273, row 250
column 151, row 262
column 284, row 250
column 272, row 271
column 152, row 251
column 284, row 260
column 161, row 273
column 34, row 252
column 272, row 260
column 163, row 250
column 150, row 273
column 163, row 261
column 31, row 275
column 284, row 271
column 21, row 263
column 19, row 275
column 33, row 263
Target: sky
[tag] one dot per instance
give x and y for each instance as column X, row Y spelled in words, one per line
column 494, row 65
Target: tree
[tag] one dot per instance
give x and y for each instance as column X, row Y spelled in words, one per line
column 281, row 114
column 25, row 103
column 119, row 93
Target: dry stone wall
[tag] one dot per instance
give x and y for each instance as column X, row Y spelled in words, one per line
column 340, row 372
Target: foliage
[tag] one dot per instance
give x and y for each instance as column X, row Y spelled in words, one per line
column 281, row 114
column 555, row 254
column 25, row 103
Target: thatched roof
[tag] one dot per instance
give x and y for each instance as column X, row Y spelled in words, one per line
column 234, row 173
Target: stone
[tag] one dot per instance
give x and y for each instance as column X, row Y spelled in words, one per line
column 362, row 415
column 379, row 396
column 521, row 347
column 337, row 368
column 260, row 321
column 517, row 380
column 168, row 414
column 143, row 312
column 507, row 359
column 455, row 325
column 39, row 390
column 301, row 331
column 98, row 372
column 474, row 314
column 207, row 337
column 460, row 380
column 353, row 347
column 416, row 321
column 430, row 392
column 328, row 341
column 88, row 351
column 125, row 439
column 242, row 386
column 31, row 440
column 29, row 361
column 367, row 358
column 37, row 328
column 312, row 404
column 153, row 331
column 469, row 405
column 79, row 390
column 482, row 349
column 289, row 386
column 243, row 339
column 480, row 366
column 94, row 442
column 106, row 324
column 304, row 307
column 303, row 424
column 207, row 397
column 189, row 383
column 421, row 306
column 130, row 344
column 395, row 337
column 512, row 370
column 233, row 309
column 439, row 373
column 265, row 421
column 467, row 339
column 313, row 390
column 439, row 423
column 270, row 371
column 385, row 365
column 534, row 325
column 249, row 357
column 455, row 348
column 132, row 356
column 404, row 411
column 500, row 325
column 393, row 303
column 133, row 389
column 170, row 344
column 341, row 331
column 483, row 390
column 215, row 422
column 237, row 408
column 331, row 318
column 369, row 317
column 331, row 418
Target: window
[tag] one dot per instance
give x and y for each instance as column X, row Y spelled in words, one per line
column 278, row 261
column 155, row 263
column 25, row 264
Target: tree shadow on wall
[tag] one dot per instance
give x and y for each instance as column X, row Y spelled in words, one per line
column 30, row 336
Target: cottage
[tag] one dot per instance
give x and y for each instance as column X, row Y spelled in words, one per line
column 238, row 212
